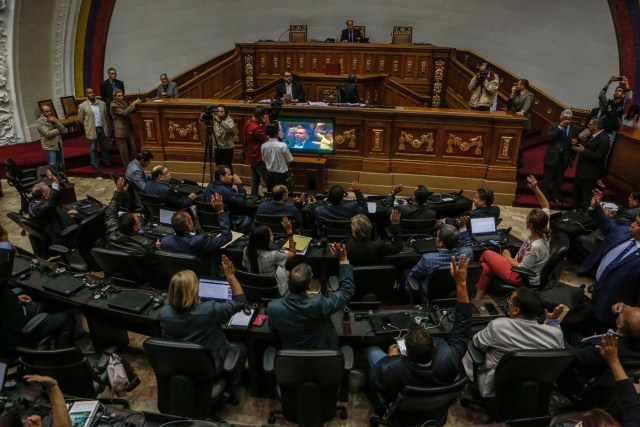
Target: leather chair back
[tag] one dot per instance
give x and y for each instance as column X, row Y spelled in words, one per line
column 335, row 231
column 441, row 284
column 38, row 237
column 417, row 227
column 374, row 283
column 558, row 248
column 120, row 264
column 309, row 381
column 274, row 222
column 186, row 377
column 172, row 262
column 258, row 286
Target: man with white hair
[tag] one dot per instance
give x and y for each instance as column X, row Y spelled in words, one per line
column 559, row 155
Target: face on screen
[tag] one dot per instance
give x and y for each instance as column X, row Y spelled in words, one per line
column 300, row 135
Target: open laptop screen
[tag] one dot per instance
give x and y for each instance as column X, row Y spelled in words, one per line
column 483, row 225
column 165, row 216
column 214, row 289
column 3, row 374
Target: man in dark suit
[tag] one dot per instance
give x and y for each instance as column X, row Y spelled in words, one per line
column 302, row 322
column 289, row 90
column 45, row 211
column 590, row 163
column 520, row 103
column 351, row 90
column 616, row 261
column 160, row 187
column 559, row 155
column 107, row 88
column 483, row 206
column 167, row 89
column 338, row 209
column 350, row 34
column 279, row 206
column 418, row 208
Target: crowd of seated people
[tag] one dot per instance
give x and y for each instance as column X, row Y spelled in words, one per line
column 304, row 321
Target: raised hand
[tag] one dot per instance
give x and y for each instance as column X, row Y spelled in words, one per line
column 122, row 186
column 216, row 202
column 229, row 268
column 339, row 250
column 286, row 224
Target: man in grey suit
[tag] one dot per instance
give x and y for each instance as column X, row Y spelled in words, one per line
column 520, row 103
column 123, row 127
column 167, row 89
column 93, row 115
column 559, row 155
column 591, row 163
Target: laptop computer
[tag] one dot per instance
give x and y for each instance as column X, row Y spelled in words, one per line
column 390, row 323
column 133, row 301
column 214, row 289
column 20, row 265
column 484, row 229
column 64, row 284
column 422, row 246
column 4, row 367
column 164, row 227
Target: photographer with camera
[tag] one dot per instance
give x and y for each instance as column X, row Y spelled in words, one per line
column 484, row 88
column 611, row 110
column 223, row 127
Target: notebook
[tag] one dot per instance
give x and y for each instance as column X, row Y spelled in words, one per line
column 64, row 284
column 302, row 244
column 20, row 265
column 134, row 301
column 214, row 289
column 484, row 229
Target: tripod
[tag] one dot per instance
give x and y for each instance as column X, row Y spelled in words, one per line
column 208, row 154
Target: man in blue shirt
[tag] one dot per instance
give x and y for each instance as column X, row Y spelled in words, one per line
column 451, row 242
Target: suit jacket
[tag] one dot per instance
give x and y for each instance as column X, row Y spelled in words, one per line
column 351, row 91
column 356, row 35
column 106, row 91
column 410, row 211
column 49, row 215
column 392, row 373
column 371, row 252
column 493, row 210
column 136, row 176
column 522, row 102
column 297, row 90
column 121, row 112
column 230, row 198
column 274, row 207
column 88, row 119
column 307, row 145
column 591, row 160
column 172, row 90
column 139, row 246
column 556, row 142
column 621, row 283
column 164, row 191
column 343, row 211
column 50, row 134
column 305, row 323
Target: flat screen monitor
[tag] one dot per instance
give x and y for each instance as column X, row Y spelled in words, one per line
column 313, row 135
column 212, row 289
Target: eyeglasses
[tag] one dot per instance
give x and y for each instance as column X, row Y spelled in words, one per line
column 287, row 76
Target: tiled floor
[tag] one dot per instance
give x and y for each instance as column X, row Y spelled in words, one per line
column 252, row 411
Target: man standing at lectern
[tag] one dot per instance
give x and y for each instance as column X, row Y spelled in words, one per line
column 350, row 34
column 289, row 90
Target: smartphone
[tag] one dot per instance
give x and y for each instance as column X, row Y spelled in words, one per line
column 259, row 320
column 85, row 206
column 618, row 79
column 402, row 346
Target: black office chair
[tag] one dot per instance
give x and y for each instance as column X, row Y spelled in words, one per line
column 523, row 383
column 257, row 287
column 373, row 283
column 274, row 222
column 309, row 384
column 23, row 187
column 336, row 231
column 558, row 248
column 151, row 205
column 172, row 262
column 420, row 405
column 442, row 286
column 26, row 177
column 417, row 227
column 186, row 377
column 207, row 216
column 78, row 374
column 115, row 263
column 90, row 233
column 343, row 97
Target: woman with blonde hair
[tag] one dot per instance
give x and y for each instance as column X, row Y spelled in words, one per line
column 187, row 318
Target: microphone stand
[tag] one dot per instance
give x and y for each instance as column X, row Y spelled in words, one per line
column 285, row 32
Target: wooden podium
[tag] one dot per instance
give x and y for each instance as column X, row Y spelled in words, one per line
column 309, row 174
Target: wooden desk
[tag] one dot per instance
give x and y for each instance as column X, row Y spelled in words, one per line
column 309, row 174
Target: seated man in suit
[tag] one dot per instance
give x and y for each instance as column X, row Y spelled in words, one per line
column 363, row 250
column 482, row 206
column 351, row 90
column 519, row 331
column 279, row 206
column 428, row 361
column 167, row 89
column 160, row 187
column 302, row 322
column 223, row 185
column 418, row 208
column 17, row 310
column 451, row 242
column 45, row 211
column 338, row 209
column 616, row 262
column 123, row 232
column 204, row 246
column 135, row 174
column 350, row 34
column 289, row 90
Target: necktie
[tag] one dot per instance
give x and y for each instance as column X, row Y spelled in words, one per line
column 613, row 264
column 351, row 36
column 565, row 139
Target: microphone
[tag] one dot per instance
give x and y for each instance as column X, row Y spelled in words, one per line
column 285, row 32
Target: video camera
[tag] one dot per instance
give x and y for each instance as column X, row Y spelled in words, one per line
column 207, row 115
column 276, row 109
